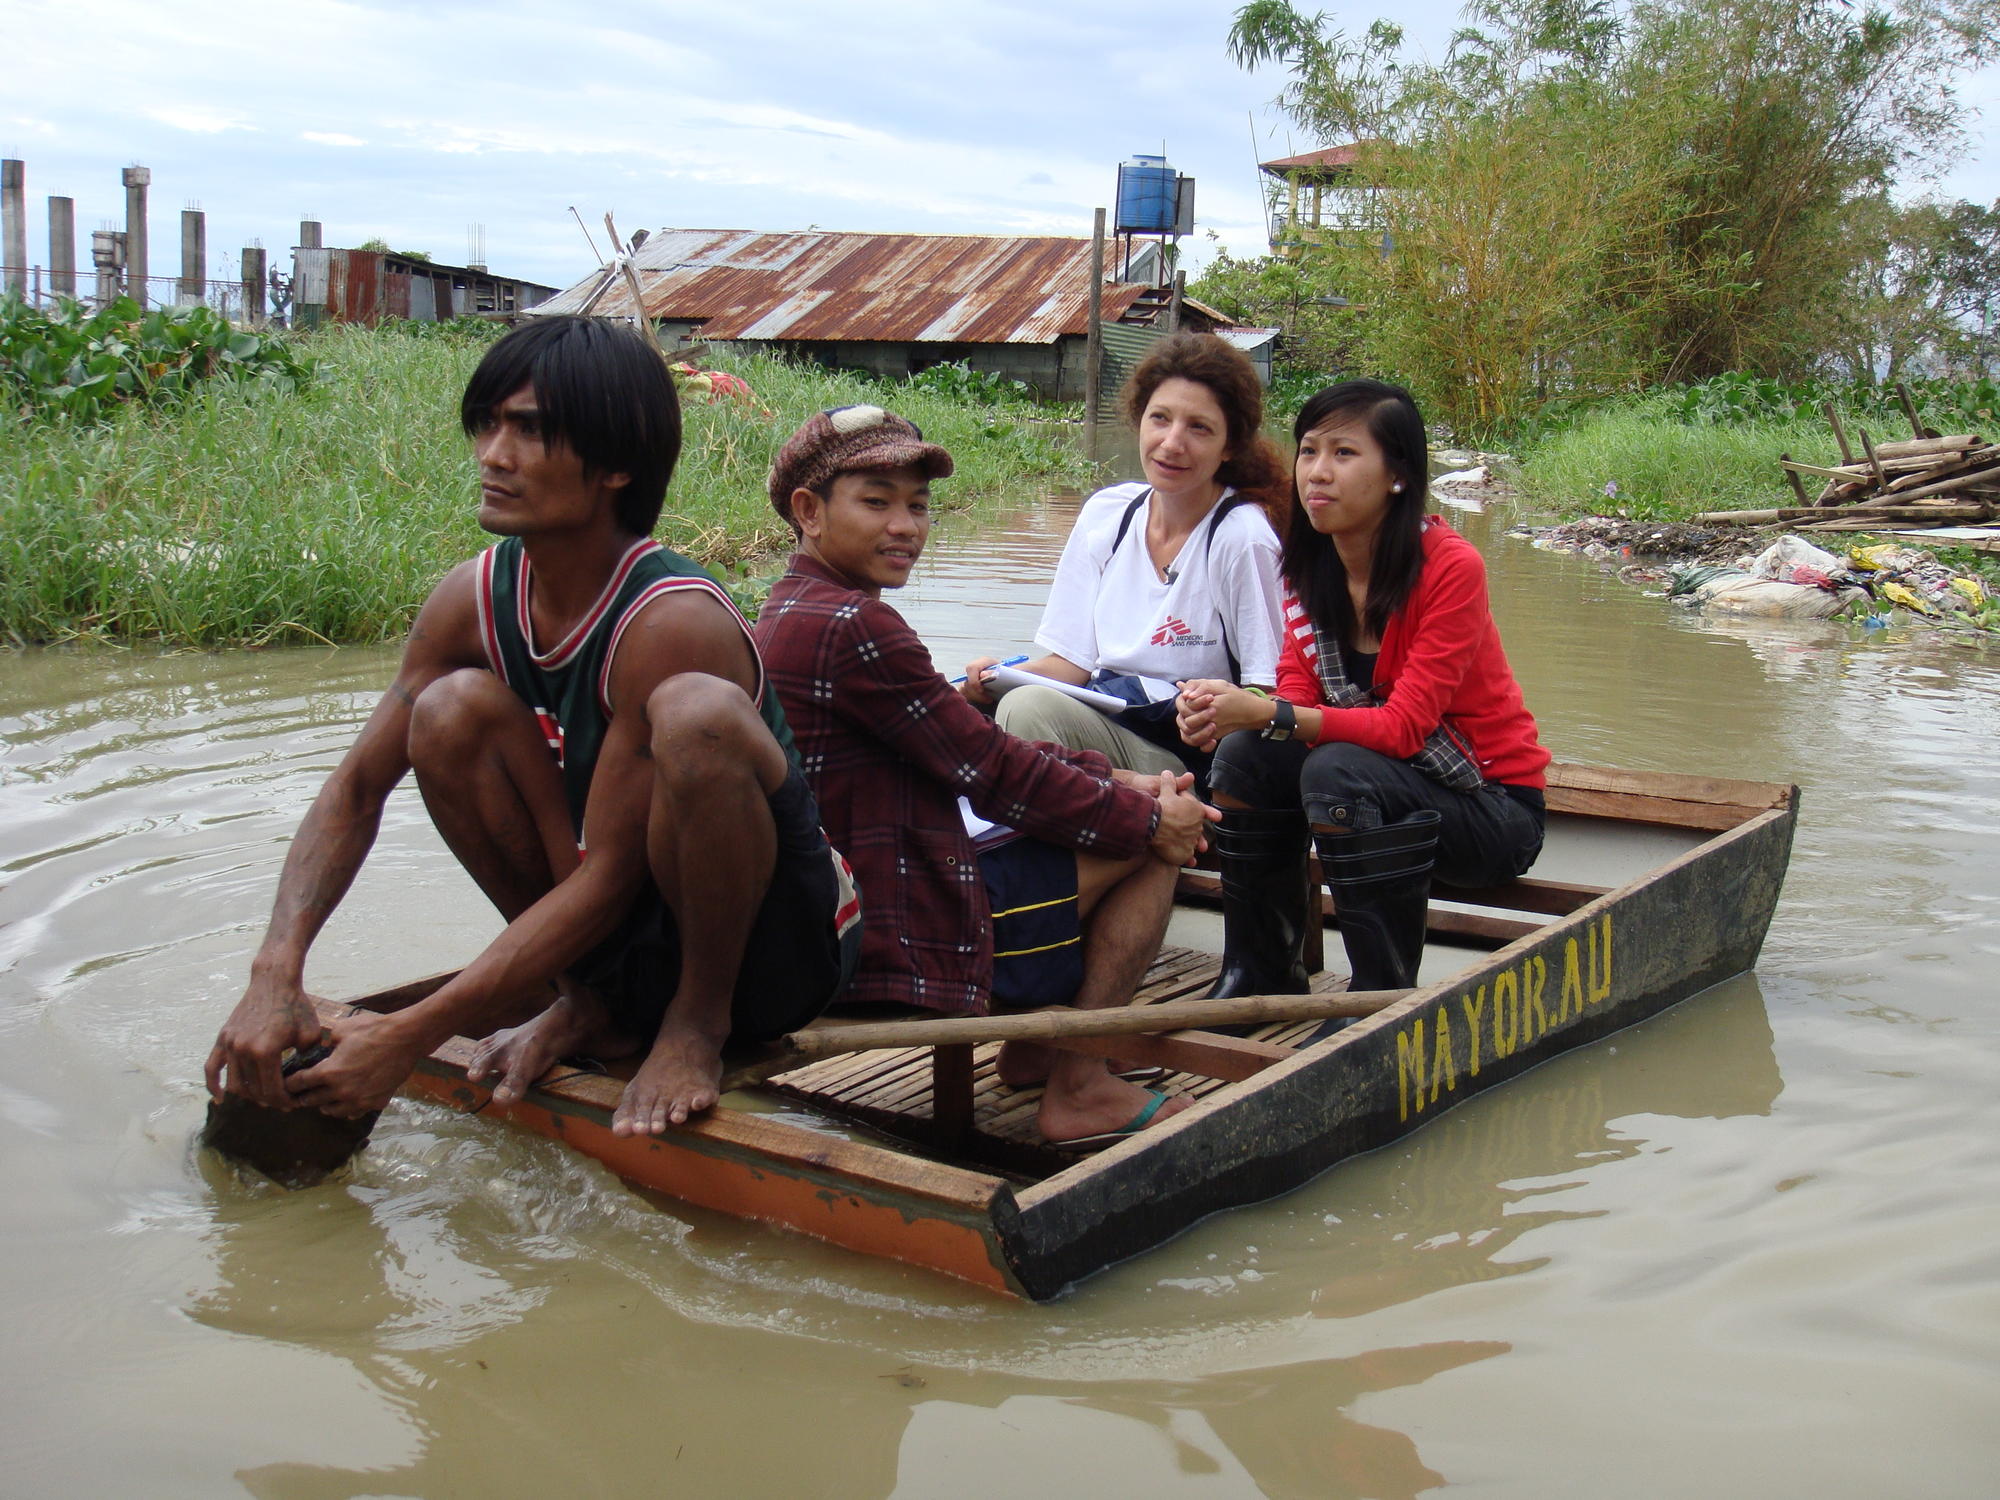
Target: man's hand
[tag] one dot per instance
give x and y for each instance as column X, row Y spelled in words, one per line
column 974, row 688
column 1207, row 710
column 272, row 1016
column 1184, row 820
column 369, row 1063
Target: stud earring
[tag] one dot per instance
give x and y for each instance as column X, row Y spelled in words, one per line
column 1396, row 488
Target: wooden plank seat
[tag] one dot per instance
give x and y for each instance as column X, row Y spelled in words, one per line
column 898, row 1092
column 1202, row 886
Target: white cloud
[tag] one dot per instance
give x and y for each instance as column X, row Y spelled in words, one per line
column 999, row 116
column 199, row 121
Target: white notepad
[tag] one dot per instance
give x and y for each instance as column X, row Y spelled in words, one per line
column 1004, row 678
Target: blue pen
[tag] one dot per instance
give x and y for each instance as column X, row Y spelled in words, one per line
column 1012, row 661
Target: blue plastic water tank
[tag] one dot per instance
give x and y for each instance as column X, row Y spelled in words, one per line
column 1145, row 196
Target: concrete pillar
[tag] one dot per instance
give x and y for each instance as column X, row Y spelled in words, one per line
column 137, row 180
column 194, row 257
column 107, row 254
column 253, row 284
column 62, row 247
column 14, row 223
column 309, row 234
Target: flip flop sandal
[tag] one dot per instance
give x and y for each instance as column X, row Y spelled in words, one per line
column 1104, row 1138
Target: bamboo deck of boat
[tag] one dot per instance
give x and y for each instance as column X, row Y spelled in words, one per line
column 922, row 1155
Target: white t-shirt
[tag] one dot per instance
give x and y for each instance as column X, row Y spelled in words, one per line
column 1112, row 612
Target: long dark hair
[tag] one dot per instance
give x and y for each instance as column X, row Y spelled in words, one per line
column 1311, row 562
column 1254, row 467
column 603, row 390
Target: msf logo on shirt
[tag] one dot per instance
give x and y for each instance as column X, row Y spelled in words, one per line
column 1174, row 632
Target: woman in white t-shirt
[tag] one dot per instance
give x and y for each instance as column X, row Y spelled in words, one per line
column 1165, row 580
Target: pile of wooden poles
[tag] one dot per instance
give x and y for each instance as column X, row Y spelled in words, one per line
column 1921, row 481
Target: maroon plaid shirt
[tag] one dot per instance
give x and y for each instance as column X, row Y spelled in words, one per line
column 889, row 746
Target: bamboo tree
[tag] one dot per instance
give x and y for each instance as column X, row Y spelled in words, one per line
column 1584, row 196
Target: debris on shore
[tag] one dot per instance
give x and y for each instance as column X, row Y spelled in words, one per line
column 1646, row 547
column 1737, row 570
column 1469, row 480
column 1928, row 479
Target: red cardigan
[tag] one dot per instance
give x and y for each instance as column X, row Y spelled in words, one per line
column 1441, row 662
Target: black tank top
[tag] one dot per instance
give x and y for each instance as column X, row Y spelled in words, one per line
column 569, row 686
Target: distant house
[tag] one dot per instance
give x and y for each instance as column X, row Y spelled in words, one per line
column 889, row 304
column 1259, row 345
column 1322, row 195
column 367, row 286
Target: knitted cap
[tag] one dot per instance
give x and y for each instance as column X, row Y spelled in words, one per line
column 844, row 440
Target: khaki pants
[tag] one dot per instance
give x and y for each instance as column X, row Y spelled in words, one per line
column 1039, row 713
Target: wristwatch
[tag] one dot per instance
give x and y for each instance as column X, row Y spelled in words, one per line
column 1284, row 720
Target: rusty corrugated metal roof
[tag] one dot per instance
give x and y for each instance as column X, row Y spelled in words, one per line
column 1332, row 159
column 891, row 288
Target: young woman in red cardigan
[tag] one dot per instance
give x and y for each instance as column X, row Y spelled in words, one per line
column 1397, row 731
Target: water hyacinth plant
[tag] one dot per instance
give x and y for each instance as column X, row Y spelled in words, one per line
column 79, row 363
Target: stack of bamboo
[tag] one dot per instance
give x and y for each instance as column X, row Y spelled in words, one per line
column 1925, row 480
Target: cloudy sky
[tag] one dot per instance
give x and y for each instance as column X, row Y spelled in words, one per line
column 413, row 123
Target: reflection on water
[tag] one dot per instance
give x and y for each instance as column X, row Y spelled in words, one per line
column 1683, row 1261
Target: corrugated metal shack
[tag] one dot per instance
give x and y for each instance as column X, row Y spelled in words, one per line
column 1259, row 345
column 889, row 304
column 367, row 286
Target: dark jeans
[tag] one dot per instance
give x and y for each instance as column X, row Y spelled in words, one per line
column 1488, row 836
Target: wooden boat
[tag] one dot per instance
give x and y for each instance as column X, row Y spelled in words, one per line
column 919, row 1154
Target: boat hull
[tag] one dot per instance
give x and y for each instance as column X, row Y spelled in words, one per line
column 1619, row 959
column 1611, row 964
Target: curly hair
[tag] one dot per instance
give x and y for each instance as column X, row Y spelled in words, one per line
column 1254, row 467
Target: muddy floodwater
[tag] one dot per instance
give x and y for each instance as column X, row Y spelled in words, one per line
column 1749, row 1248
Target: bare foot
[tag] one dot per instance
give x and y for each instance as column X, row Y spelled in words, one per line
column 680, row 1077
column 1092, row 1102
column 1022, row 1065
column 576, row 1023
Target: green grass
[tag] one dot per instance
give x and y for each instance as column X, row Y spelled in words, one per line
column 1665, row 470
column 251, row 516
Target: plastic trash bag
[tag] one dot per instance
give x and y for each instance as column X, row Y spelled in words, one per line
column 1896, row 593
column 1789, row 556
column 1734, row 592
column 1885, row 557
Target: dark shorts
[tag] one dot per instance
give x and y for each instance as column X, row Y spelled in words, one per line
column 1037, row 939
column 802, row 950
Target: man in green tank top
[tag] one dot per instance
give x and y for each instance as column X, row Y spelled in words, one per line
column 592, row 733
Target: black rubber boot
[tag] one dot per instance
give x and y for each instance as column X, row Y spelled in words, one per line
column 1264, row 903
column 1381, row 883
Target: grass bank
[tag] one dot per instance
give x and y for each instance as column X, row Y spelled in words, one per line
column 252, row 516
column 1676, row 452
column 1648, row 466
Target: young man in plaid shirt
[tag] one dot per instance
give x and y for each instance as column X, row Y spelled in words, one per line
column 1063, row 894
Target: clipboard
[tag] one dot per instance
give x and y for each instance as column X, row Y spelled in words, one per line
column 1004, row 678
